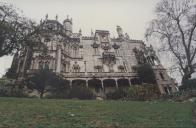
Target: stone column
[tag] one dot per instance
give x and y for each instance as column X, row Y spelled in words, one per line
column 70, row 83
column 25, row 59
column 116, row 83
column 102, row 84
column 58, row 67
column 87, row 83
column 129, row 82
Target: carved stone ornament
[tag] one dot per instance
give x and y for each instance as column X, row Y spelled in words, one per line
column 95, row 45
column 116, row 46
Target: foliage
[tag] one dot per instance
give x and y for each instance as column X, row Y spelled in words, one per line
column 60, row 90
column 81, row 92
column 135, row 92
column 14, row 29
column 188, row 85
column 11, row 73
column 7, row 89
column 146, row 73
column 117, row 94
column 142, row 92
column 43, row 81
column 174, row 26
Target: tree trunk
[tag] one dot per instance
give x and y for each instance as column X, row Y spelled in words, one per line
column 41, row 95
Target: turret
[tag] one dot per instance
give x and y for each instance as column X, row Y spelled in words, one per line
column 119, row 31
column 68, row 26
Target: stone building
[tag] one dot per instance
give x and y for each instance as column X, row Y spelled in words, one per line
column 98, row 61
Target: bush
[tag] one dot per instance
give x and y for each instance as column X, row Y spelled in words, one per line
column 142, row 92
column 117, row 94
column 60, row 91
column 135, row 92
column 188, row 85
column 11, row 91
column 146, row 73
column 81, row 92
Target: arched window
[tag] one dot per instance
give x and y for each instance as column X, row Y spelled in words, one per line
column 40, row 65
column 46, row 65
column 161, row 75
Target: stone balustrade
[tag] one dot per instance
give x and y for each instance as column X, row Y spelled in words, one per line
column 98, row 74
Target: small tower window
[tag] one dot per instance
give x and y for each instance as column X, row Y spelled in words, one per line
column 40, row 65
column 162, row 76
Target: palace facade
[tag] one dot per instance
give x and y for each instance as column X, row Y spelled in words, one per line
column 98, row 61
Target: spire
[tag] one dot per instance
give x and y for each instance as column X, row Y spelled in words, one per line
column 56, row 17
column 80, row 31
column 119, row 31
column 92, row 34
column 41, row 21
column 46, row 17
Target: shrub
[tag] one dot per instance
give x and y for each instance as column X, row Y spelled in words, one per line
column 117, row 94
column 188, row 85
column 142, row 92
column 146, row 73
column 81, row 92
column 11, row 91
column 135, row 92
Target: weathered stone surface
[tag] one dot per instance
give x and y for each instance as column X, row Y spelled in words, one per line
column 98, row 56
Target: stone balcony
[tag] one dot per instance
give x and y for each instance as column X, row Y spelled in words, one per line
column 98, row 74
column 92, row 74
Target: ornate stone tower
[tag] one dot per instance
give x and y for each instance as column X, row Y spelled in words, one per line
column 67, row 24
column 98, row 61
column 119, row 31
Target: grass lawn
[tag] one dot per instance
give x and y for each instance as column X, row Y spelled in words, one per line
column 47, row 113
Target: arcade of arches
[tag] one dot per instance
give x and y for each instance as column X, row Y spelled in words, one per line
column 100, row 87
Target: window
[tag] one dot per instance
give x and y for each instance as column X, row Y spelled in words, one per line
column 76, row 67
column 162, row 76
column 121, row 68
column 98, row 68
column 43, row 65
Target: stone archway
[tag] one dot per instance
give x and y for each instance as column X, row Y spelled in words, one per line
column 136, row 81
column 123, row 83
column 78, row 83
column 67, row 84
column 109, row 85
column 96, row 86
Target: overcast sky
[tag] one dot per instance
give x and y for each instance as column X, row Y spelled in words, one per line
column 132, row 15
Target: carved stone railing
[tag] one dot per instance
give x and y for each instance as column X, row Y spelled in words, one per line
column 91, row 74
column 98, row 74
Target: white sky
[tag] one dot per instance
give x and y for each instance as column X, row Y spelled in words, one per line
column 132, row 15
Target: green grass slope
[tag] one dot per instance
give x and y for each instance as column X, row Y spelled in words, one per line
column 47, row 113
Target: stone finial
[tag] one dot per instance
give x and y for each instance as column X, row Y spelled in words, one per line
column 80, row 31
column 67, row 16
column 56, row 17
column 41, row 21
column 127, row 36
column 46, row 17
column 92, row 34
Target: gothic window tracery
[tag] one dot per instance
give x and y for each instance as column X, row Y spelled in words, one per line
column 98, row 68
column 105, row 46
column 116, row 48
column 121, row 68
column 43, row 65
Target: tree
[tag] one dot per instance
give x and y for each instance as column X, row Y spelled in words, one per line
column 43, row 81
column 146, row 73
column 174, row 26
column 14, row 29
